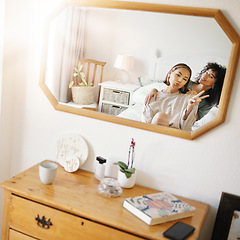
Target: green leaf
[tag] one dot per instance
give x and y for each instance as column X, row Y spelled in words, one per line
column 84, row 82
column 71, row 84
column 124, row 168
column 121, row 164
column 127, row 174
column 130, row 170
column 75, row 74
column 80, row 66
column 82, row 75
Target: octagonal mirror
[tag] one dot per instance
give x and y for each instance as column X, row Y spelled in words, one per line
column 155, row 37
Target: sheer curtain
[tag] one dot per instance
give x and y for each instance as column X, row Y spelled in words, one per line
column 65, row 47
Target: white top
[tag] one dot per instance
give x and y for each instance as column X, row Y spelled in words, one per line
column 174, row 105
column 119, row 86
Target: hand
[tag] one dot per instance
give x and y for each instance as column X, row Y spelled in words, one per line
column 152, row 94
column 196, row 99
column 191, row 92
column 193, row 101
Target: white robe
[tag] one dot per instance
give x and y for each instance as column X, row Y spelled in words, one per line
column 174, row 105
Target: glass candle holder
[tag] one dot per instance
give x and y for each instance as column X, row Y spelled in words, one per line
column 109, row 187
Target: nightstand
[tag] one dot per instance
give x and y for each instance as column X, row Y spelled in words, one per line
column 115, row 97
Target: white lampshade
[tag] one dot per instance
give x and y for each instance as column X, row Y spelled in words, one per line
column 124, row 62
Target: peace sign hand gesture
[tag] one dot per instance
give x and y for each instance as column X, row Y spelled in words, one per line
column 194, row 101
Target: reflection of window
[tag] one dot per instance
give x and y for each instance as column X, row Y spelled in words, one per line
column 65, row 47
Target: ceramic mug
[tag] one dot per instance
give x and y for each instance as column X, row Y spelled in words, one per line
column 47, row 172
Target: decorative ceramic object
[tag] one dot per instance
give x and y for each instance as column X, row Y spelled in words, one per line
column 72, row 151
column 126, row 182
column 72, row 164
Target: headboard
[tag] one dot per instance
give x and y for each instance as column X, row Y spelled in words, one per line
column 163, row 64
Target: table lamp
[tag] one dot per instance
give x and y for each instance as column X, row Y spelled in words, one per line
column 123, row 63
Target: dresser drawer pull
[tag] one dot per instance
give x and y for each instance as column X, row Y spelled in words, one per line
column 43, row 223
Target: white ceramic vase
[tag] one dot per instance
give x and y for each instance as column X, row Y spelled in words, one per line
column 126, row 182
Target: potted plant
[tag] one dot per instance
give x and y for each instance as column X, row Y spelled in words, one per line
column 127, row 173
column 82, row 92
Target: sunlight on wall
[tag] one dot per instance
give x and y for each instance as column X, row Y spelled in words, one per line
column 24, row 30
column 2, row 6
column 21, row 34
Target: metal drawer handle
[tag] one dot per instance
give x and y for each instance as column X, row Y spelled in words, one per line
column 114, row 91
column 43, row 223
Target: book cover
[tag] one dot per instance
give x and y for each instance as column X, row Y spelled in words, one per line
column 158, row 208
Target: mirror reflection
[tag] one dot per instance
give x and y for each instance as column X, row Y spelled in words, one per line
column 138, row 48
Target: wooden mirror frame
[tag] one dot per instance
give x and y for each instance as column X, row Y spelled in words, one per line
column 171, row 9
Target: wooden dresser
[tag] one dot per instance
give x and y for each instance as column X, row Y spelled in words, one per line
column 73, row 209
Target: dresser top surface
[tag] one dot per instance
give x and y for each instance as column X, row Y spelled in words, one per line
column 76, row 193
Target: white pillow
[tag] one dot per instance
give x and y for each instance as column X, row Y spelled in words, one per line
column 146, row 81
column 140, row 94
column 207, row 118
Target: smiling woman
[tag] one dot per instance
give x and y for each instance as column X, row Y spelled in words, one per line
column 140, row 29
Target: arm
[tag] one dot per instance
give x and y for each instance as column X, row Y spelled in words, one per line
column 189, row 115
column 152, row 94
column 147, row 114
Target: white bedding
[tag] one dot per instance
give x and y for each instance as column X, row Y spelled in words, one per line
column 135, row 111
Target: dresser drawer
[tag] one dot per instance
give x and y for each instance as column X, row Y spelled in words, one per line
column 112, row 109
column 14, row 235
column 113, row 95
column 64, row 225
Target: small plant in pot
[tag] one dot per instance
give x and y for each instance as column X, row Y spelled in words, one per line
column 127, row 173
column 82, row 92
column 124, row 168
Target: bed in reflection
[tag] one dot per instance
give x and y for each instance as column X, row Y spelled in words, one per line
column 161, row 66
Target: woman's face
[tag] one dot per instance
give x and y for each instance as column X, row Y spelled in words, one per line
column 178, row 77
column 208, row 78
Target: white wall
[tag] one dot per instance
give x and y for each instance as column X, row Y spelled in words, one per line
column 142, row 34
column 199, row 169
column 4, row 115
